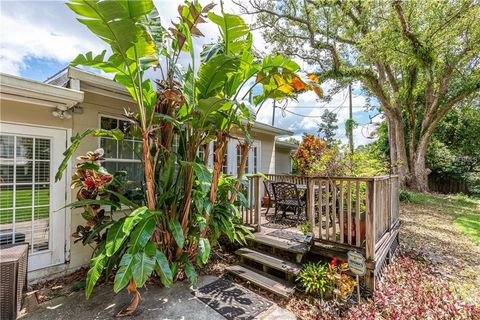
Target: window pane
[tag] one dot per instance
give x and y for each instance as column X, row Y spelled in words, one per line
column 24, row 171
column 6, row 172
column 42, row 171
column 6, row 146
column 6, row 218
column 124, row 126
column 42, row 149
column 125, row 150
column 109, row 147
column 108, row 123
column 41, row 229
column 6, row 197
column 23, row 196
column 23, row 225
column 24, row 148
column 42, row 195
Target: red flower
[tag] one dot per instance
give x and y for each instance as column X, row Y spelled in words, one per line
column 334, row 261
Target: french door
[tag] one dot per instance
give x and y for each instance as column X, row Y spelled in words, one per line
column 30, row 199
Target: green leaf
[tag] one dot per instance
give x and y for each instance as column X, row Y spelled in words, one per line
column 203, row 175
column 204, row 249
column 115, row 237
column 143, row 267
column 109, row 20
column 123, row 200
column 82, row 203
column 141, row 234
column 124, row 273
column 177, row 232
column 135, row 217
column 163, row 269
column 213, row 74
column 96, row 267
column 115, row 134
column 190, row 272
column 235, row 32
column 211, row 50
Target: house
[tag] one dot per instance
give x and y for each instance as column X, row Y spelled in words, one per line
column 36, row 123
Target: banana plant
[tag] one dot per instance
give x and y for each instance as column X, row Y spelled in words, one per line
column 187, row 205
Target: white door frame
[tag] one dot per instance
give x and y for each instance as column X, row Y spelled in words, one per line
column 58, row 217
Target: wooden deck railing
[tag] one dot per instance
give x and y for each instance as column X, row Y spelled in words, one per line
column 251, row 213
column 352, row 213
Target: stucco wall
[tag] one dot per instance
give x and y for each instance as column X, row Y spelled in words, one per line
column 283, row 161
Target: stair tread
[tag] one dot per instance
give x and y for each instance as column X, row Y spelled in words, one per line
column 270, row 261
column 270, row 283
column 286, row 245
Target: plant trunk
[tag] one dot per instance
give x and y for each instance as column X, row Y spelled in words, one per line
column 244, row 149
column 149, row 174
column 398, row 151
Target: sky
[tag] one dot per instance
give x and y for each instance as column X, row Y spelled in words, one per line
column 39, row 38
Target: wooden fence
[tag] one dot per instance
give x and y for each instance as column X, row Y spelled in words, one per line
column 352, row 213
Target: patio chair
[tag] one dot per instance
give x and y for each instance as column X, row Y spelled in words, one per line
column 287, row 196
column 271, row 197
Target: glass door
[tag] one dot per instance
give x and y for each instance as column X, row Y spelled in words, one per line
column 29, row 195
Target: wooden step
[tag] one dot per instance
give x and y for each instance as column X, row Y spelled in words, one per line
column 264, row 281
column 269, row 261
column 286, row 245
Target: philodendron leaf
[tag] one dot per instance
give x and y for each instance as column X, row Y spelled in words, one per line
column 190, row 272
column 163, row 269
column 124, row 273
column 96, row 267
column 87, row 202
column 141, row 234
column 143, row 267
column 204, row 249
column 135, row 217
column 177, row 232
column 115, row 237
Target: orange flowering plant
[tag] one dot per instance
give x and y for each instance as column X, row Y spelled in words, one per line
column 313, row 157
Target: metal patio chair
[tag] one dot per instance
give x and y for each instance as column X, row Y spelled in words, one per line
column 287, row 196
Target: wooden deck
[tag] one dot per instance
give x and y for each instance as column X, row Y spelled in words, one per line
column 345, row 213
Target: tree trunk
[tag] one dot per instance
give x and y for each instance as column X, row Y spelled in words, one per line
column 398, row 151
column 419, row 173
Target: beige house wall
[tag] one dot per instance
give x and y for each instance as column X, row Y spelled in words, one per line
column 283, row 161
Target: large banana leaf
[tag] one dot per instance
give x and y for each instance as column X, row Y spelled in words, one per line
column 143, row 268
column 124, row 273
column 96, row 267
column 213, row 74
column 141, row 234
column 162, row 269
column 234, row 31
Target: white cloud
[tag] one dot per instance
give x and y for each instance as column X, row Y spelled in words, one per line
column 45, row 30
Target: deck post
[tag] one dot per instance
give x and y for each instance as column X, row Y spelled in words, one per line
column 370, row 234
column 258, row 203
column 311, row 203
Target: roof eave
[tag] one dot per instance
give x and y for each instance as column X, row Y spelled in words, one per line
column 15, row 88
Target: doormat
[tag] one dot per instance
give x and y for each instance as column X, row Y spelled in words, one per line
column 288, row 235
column 231, row 300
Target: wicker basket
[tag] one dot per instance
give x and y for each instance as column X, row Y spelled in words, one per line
column 13, row 279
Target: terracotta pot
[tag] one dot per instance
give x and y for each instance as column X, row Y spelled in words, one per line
column 266, row 201
column 354, row 230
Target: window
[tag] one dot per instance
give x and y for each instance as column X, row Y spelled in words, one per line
column 122, row 155
column 239, row 159
column 25, row 191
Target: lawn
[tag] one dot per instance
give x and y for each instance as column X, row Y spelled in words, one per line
column 23, row 204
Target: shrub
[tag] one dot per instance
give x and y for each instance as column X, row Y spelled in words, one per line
column 314, row 278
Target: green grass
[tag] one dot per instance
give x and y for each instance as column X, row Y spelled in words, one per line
column 465, row 210
column 470, row 226
column 24, row 199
